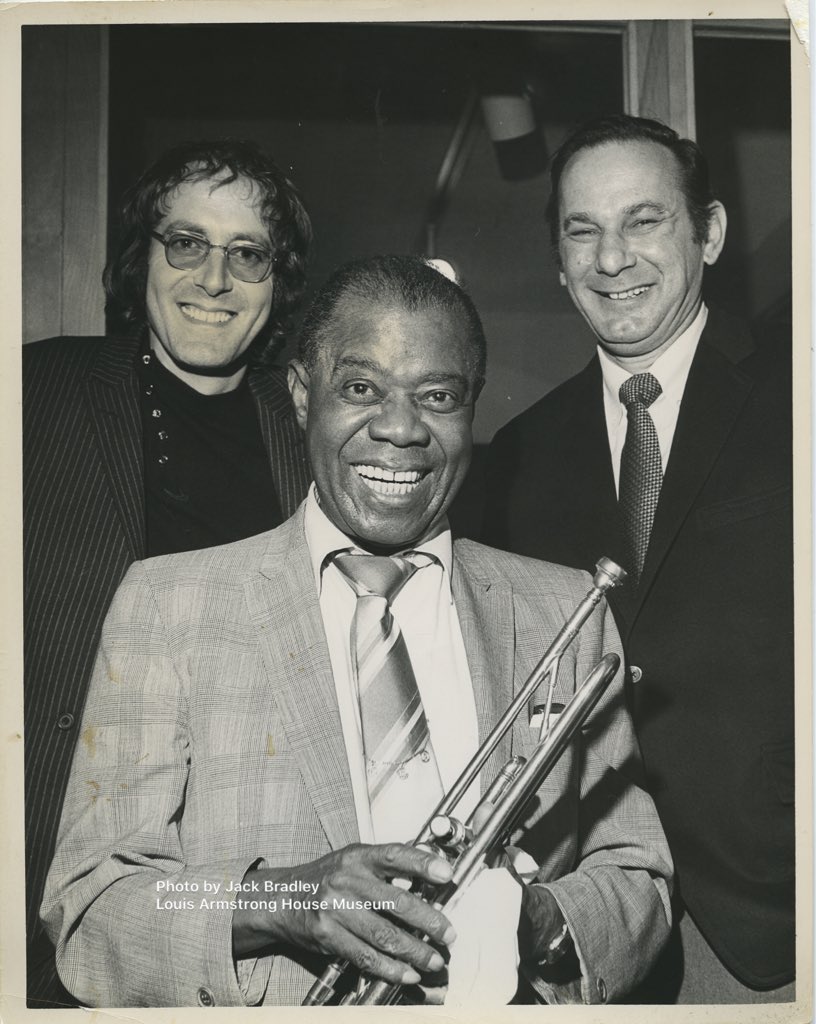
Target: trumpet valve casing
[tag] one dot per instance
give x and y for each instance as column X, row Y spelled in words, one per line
column 449, row 834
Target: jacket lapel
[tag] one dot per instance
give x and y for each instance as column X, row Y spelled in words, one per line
column 485, row 610
column 715, row 393
column 284, row 607
column 587, row 490
column 283, row 439
column 112, row 397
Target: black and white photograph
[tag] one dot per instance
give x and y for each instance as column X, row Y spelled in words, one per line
column 408, row 589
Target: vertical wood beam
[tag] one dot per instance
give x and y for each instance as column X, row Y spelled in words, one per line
column 65, row 179
column 658, row 59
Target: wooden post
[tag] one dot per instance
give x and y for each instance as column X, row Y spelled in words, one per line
column 65, row 179
column 658, row 61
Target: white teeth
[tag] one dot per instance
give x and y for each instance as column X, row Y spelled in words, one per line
column 386, row 481
column 629, row 294
column 205, row 317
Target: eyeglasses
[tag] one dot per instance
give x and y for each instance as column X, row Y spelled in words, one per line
column 246, row 262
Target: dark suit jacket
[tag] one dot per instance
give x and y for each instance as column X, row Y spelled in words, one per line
column 84, row 525
column 711, row 626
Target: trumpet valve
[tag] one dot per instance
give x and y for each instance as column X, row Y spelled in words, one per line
column 449, row 833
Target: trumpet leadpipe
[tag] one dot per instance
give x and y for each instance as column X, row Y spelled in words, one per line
column 509, row 808
column 607, row 575
column 503, row 779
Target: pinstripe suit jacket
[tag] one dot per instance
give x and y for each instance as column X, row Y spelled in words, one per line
column 211, row 742
column 84, row 525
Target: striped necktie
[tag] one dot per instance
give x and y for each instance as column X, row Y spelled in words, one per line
column 641, row 473
column 396, row 740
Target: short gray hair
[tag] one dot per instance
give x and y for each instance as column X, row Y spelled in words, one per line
column 409, row 282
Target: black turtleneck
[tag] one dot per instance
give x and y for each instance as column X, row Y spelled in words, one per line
column 207, row 474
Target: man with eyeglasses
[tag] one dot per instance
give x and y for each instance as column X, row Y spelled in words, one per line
column 177, row 435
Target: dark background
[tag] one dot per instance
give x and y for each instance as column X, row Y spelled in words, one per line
column 360, row 117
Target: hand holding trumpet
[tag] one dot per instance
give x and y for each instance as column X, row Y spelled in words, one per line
column 383, row 947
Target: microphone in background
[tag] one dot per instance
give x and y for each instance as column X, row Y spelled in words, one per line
column 510, row 118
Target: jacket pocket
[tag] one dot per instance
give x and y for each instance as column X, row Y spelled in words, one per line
column 724, row 513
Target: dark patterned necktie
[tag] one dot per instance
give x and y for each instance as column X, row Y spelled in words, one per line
column 396, row 740
column 641, row 472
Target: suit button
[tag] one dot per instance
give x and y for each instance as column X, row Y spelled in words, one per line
column 205, row 997
column 636, row 673
column 602, row 989
column 65, row 721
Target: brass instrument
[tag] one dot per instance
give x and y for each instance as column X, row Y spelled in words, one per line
column 509, row 793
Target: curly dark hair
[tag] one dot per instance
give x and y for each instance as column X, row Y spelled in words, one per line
column 691, row 164
column 146, row 202
column 409, row 282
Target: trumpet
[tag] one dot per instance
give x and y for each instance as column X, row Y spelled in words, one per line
column 509, row 793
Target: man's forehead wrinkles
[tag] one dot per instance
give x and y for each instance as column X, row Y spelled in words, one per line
column 356, row 363
column 631, row 208
column 183, row 224
column 351, row 362
column 445, row 377
column 646, row 204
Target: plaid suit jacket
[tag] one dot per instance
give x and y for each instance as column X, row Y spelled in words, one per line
column 211, row 743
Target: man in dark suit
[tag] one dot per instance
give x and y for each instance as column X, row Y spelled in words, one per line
column 177, row 435
column 671, row 452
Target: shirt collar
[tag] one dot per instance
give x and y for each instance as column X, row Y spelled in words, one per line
column 324, row 539
column 671, row 368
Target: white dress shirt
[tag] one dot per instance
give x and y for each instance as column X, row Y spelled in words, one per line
column 427, row 617
column 483, row 968
column 671, row 370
